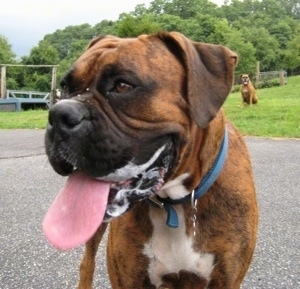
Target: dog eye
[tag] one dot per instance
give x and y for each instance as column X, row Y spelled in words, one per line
column 123, row 87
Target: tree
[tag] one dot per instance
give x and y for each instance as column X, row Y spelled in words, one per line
column 8, row 57
column 219, row 32
column 140, row 10
column 77, row 47
column 39, row 78
column 185, row 9
column 130, row 26
column 266, row 47
column 292, row 54
column 223, row 34
column 264, row 30
column 42, row 54
column 105, row 27
column 282, row 32
column 62, row 40
column 292, row 8
column 6, row 54
column 245, row 51
column 207, row 25
column 169, row 22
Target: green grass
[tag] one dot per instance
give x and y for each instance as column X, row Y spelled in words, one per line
column 277, row 113
column 30, row 119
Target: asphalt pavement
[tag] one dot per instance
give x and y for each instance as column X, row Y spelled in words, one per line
column 28, row 185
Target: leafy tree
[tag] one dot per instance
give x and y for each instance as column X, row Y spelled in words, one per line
column 207, row 25
column 39, row 78
column 237, row 9
column 261, row 13
column 266, row 46
column 76, row 49
column 292, row 54
column 105, row 27
column 6, row 54
column 273, row 8
column 292, row 8
column 42, row 54
column 184, row 9
column 245, row 51
column 225, row 35
column 62, row 40
column 8, row 57
column 264, row 30
column 282, row 32
column 169, row 22
column 220, row 32
column 140, row 10
column 131, row 26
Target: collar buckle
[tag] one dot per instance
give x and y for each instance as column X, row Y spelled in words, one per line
column 157, row 202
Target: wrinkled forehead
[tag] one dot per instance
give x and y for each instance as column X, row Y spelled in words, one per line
column 142, row 54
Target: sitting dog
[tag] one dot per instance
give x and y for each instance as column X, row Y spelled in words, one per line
column 147, row 148
column 248, row 93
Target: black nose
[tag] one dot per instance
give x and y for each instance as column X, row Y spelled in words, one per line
column 67, row 115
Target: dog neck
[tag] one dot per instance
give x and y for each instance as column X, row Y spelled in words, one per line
column 205, row 184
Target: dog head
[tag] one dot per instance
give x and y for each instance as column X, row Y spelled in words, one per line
column 245, row 79
column 126, row 123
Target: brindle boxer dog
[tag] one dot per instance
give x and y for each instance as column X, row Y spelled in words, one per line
column 147, row 149
column 248, row 93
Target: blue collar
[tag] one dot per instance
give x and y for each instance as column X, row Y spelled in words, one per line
column 205, row 184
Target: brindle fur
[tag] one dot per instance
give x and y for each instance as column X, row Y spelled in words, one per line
column 184, row 85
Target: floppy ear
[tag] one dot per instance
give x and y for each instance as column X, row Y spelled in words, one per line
column 209, row 72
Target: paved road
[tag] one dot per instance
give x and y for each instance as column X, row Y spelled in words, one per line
column 28, row 185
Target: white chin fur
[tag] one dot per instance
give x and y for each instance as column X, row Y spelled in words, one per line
column 131, row 170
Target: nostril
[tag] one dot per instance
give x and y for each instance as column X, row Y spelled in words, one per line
column 69, row 119
column 67, row 114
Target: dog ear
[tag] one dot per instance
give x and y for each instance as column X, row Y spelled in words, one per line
column 209, row 71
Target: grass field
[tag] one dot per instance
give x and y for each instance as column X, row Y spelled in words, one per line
column 33, row 119
column 277, row 113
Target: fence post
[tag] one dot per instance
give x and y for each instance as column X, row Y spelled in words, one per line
column 281, row 78
column 257, row 72
column 3, row 82
column 53, row 86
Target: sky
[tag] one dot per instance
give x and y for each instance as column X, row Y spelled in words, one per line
column 25, row 22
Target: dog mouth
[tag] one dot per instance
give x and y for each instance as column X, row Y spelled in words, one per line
column 85, row 202
column 245, row 80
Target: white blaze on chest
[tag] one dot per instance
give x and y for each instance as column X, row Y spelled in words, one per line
column 174, row 189
column 171, row 250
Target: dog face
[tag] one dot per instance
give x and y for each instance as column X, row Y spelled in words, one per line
column 128, row 109
column 245, row 79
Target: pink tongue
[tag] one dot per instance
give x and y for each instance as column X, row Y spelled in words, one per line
column 76, row 212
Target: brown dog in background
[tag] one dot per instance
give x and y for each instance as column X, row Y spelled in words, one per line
column 248, row 93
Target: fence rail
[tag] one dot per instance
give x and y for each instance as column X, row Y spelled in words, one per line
column 18, row 97
column 269, row 75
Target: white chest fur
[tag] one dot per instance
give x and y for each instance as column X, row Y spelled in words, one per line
column 171, row 250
